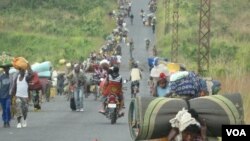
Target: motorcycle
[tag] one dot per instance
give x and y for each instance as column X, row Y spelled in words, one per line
column 134, row 88
column 112, row 106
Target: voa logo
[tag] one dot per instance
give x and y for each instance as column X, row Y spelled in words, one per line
column 236, row 132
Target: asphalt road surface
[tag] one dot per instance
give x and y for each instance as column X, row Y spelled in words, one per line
column 56, row 121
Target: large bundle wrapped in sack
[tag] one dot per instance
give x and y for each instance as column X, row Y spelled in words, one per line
column 178, row 75
column 185, row 84
column 20, row 63
column 149, row 117
column 46, row 74
column 157, row 70
column 5, row 60
column 42, row 67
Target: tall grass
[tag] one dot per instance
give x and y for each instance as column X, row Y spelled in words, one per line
column 230, row 42
column 238, row 83
column 54, row 29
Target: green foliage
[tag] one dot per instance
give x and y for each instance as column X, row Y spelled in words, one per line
column 227, row 52
column 54, row 29
column 230, row 34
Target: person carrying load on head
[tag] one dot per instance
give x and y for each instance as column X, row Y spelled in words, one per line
column 162, row 88
column 5, row 97
column 155, row 72
column 187, row 126
column 20, row 90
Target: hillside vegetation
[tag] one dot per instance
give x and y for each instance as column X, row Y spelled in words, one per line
column 229, row 42
column 54, row 29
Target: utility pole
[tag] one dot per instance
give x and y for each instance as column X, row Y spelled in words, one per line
column 166, row 15
column 175, row 44
column 204, row 37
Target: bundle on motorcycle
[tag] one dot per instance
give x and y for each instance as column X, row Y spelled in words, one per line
column 112, row 92
column 149, row 117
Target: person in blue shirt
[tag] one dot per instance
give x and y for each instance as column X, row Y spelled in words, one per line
column 162, row 88
column 5, row 98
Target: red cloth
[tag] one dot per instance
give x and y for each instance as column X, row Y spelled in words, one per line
column 162, row 76
column 45, row 83
column 35, row 83
column 112, row 88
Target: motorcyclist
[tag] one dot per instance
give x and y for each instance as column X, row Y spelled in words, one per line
column 113, row 85
column 135, row 76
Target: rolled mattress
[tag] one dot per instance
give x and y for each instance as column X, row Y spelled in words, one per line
column 149, row 117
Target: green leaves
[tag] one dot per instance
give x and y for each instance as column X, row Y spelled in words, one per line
column 53, row 29
column 229, row 41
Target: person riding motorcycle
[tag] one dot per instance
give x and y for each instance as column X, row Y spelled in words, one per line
column 135, row 76
column 113, row 86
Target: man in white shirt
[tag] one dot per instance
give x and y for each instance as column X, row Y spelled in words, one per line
column 22, row 96
column 135, row 76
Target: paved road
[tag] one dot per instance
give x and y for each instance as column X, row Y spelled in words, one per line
column 56, row 122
